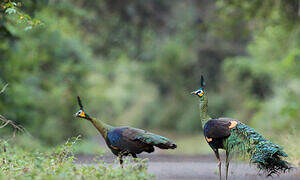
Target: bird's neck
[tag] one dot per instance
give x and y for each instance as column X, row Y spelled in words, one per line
column 100, row 126
column 203, row 107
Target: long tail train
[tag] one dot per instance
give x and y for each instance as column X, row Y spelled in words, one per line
column 268, row 156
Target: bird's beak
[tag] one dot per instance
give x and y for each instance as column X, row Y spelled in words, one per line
column 194, row 92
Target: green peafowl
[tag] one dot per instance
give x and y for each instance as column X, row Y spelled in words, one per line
column 124, row 141
column 234, row 136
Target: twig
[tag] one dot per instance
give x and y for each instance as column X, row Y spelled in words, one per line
column 6, row 122
column 10, row 122
column 3, row 89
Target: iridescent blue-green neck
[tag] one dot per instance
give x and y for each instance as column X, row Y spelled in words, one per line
column 203, row 107
column 101, row 126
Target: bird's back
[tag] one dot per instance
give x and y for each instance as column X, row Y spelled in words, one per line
column 123, row 139
column 136, row 140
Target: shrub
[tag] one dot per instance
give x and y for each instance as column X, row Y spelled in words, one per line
column 58, row 163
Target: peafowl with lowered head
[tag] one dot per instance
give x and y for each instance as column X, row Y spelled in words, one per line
column 234, row 136
column 124, row 141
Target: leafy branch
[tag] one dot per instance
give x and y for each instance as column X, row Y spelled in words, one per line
column 12, row 8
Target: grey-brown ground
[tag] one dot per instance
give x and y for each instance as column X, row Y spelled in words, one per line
column 190, row 167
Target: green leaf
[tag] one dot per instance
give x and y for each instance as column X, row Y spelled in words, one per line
column 10, row 11
column 28, row 28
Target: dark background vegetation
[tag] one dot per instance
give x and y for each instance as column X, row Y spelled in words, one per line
column 135, row 62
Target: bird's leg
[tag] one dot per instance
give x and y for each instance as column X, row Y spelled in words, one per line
column 134, row 157
column 219, row 161
column 227, row 163
column 121, row 160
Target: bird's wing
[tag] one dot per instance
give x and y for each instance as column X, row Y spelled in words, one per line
column 219, row 128
column 133, row 138
column 140, row 136
column 121, row 138
column 153, row 139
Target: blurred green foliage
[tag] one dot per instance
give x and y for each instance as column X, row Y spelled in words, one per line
column 135, row 62
column 267, row 80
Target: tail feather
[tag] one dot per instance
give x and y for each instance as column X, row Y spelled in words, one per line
column 156, row 140
column 268, row 156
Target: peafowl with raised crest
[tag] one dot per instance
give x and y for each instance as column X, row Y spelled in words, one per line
column 234, row 136
column 124, row 141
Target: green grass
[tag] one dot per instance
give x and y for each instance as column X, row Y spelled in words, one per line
column 89, row 146
column 290, row 142
column 20, row 162
column 27, row 158
column 191, row 144
column 195, row 144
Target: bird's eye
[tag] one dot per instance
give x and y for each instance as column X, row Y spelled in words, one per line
column 200, row 93
column 79, row 112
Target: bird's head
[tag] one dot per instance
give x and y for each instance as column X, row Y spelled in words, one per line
column 202, row 91
column 199, row 92
column 81, row 113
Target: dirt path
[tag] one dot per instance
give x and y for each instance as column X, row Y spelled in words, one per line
column 175, row 167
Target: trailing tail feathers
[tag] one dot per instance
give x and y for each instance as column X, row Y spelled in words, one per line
column 156, row 140
column 266, row 155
